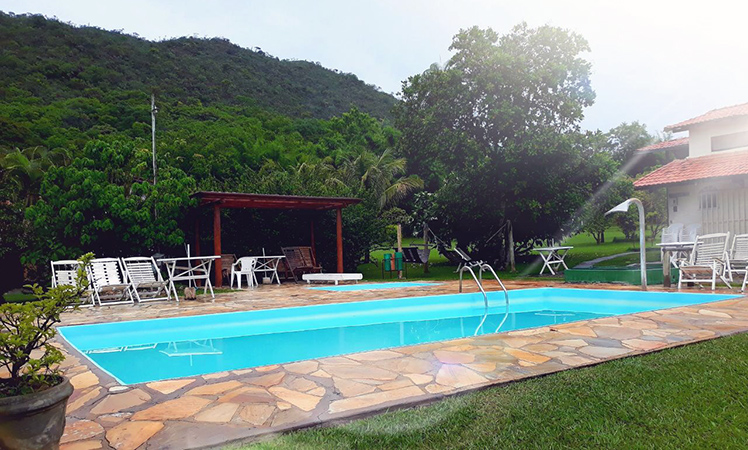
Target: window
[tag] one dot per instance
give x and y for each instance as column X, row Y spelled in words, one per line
column 730, row 141
column 709, row 200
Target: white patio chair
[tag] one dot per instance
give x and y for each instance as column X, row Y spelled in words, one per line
column 737, row 257
column 109, row 282
column 690, row 232
column 145, row 279
column 707, row 262
column 671, row 233
column 244, row 266
column 65, row 273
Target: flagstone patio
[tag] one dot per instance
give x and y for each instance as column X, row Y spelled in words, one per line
column 240, row 405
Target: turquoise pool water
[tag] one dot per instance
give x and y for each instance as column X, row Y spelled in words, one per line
column 369, row 286
column 149, row 350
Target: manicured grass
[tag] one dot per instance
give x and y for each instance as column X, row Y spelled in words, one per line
column 584, row 249
column 689, row 397
column 622, row 261
column 18, row 297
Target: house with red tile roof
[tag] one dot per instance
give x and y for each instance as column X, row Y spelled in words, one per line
column 708, row 182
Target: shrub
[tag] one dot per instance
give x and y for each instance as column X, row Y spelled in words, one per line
column 25, row 333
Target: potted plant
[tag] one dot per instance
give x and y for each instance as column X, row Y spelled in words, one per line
column 33, row 392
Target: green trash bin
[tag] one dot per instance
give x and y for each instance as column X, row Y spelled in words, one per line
column 386, row 263
column 398, row 261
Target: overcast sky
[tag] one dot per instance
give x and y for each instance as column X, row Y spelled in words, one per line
column 658, row 62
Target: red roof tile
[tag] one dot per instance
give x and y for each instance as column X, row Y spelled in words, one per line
column 715, row 114
column 710, row 166
column 664, row 145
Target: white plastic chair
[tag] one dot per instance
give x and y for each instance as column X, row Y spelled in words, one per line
column 65, row 273
column 737, row 258
column 145, row 278
column 690, row 232
column 707, row 261
column 671, row 233
column 244, row 266
column 109, row 282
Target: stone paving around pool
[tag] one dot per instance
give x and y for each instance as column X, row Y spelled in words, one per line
column 215, row 409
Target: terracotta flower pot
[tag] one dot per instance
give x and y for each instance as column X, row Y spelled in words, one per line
column 34, row 421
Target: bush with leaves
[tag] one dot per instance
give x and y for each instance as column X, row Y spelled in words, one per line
column 28, row 327
column 105, row 201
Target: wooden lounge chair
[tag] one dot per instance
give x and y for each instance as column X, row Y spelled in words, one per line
column 737, row 258
column 109, row 282
column 707, row 262
column 300, row 260
column 65, row 273
column 145, row 278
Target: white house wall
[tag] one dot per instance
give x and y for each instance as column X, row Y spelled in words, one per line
column 700, row 136
column 724, row 208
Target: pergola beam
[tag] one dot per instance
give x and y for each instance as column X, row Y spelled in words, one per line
column 221, row 200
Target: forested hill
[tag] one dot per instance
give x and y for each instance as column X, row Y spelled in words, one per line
column 51, row 61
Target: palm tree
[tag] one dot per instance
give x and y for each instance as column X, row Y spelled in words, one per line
column 25, row 169
column 382, row 175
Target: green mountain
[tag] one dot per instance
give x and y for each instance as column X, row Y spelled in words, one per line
column 44, row 60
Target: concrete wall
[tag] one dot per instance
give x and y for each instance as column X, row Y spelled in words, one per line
column 728, row 213
column 700, row 136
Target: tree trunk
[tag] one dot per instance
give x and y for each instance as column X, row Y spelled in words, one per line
column 426, row 247
column 399, row 245
column 510, row 246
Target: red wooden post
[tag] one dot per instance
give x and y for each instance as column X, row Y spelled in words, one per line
column 196, row 250
column 311, row 238
column 339, row 232
column 217, row 244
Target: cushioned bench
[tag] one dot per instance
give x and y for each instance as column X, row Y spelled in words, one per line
column 335, row 277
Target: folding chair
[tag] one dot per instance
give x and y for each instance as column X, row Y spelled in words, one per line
column 109, row 282
column 145, row 279
column 65, row 273
column 737, row 258
column 707, row 262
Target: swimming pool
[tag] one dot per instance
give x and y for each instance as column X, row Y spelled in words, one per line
column 157, row 349
column 370, row 286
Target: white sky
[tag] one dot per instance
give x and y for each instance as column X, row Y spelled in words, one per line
column 655, row 61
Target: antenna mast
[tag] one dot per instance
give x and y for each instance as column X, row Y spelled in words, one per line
column 154, row 110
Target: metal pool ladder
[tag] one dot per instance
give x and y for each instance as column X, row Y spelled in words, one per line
column 482, row 267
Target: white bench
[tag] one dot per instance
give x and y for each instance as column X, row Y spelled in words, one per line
column 335, row 277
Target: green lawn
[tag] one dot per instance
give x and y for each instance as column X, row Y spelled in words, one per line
column 689, row 397
column 584, row 245
column 621, row 261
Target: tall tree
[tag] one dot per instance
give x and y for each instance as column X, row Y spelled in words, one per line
column 623, row 141
column 495, row 134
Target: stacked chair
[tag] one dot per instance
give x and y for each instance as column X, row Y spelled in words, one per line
column 145, row 279
column 115, row 281
column 737, row 260
column 708, row 261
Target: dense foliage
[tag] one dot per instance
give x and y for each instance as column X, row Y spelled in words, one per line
column 25, row 334
column 45, row 60
column 495, row 134
column 104, row 202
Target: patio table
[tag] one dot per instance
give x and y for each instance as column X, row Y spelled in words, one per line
column 187, row 272
column 681, row 251
column 269, row 264
column 552, row 256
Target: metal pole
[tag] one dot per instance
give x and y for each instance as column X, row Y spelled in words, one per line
column 642, row 244
column 154, row 110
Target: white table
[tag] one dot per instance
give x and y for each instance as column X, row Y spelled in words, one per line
column 267, row 264
column 681, row 251
column 187, row 272
column 552, row 256
column 336, row 277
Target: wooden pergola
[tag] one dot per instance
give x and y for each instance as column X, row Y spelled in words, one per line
column 237, row 200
